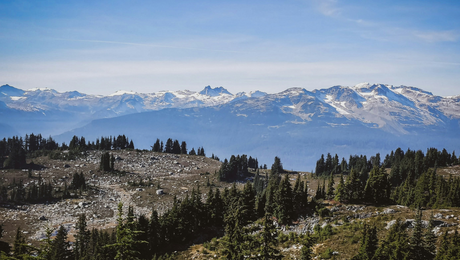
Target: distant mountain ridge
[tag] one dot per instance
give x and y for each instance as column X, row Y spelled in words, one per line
column 353, row 116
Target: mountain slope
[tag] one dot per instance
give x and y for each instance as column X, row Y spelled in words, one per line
column 295, row 124
column 359, row 119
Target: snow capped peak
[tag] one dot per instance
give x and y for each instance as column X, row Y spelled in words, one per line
column 8, row 90
column 255, row 94
column 42, row 90
column 213, row 92
column 361, row 85
column 74, row 94
column 294, row 91
column 122, row 92
column 401, row 89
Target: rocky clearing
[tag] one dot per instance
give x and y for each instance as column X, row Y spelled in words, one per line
column 175, row 175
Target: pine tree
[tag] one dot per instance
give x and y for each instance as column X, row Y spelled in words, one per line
column 60, row 247
column 235, row 232
column 169, row 146
column 276, row 170
column 20, row 248
column 183, row 147
column 306, row 252
column 340, row 194
column 330, row 187
column 416, row 240
column 105, row 162
column 45, row 251
column 125, row 237
column 156, row 147
column 369, row 243
column 249, row 200
column 269, row 240
column 430, row 239
column 81, row 238
column 395, row 245
column 443, row 247
column 377, row 188
column 153, row 233
column 283, row 200
column 353, row 186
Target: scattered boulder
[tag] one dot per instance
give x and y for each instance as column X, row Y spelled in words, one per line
column 389, row 211
column 159, row 192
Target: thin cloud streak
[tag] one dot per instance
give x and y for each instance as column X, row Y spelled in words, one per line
column 149, row 45
column 327, row 7
column 438, row 36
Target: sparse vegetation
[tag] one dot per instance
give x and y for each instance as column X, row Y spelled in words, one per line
column 243, row 210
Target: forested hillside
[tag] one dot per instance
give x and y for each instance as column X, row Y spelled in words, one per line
column 175, row 203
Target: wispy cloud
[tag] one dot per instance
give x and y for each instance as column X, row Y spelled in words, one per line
column 437, row 36
column 148, row 45
column 327, row 7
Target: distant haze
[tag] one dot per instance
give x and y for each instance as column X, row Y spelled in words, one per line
column 99, row 47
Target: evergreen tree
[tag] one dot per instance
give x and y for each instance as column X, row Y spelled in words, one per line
column 320, row 166
column 416, row 240
column 283, row 200
column 105, row 162
column 340, row 192
column 47, row 245
column 125, row 237
column 20, row 248
column 60, row 247
column 377, row 188
column 369, row 243
column 153, row 233
column 176, row 149
column 430, row 240
column 277, row 168
column 443, row 249
column 183, row 147
column 396, row 245
column 269, row 240
column 330, row 187
column 306, row 252
column 249, row 201
column 81, row 238
column 169, row 146
column 235, row 232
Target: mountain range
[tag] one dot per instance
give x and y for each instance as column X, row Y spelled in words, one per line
column 296, row 124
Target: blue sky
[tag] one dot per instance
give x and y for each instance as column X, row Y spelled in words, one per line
column 99, row 47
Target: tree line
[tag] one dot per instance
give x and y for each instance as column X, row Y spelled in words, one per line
column 175, row 147
column 40, row 191
column 408, row 178
column 14, row 150
column 401, row 244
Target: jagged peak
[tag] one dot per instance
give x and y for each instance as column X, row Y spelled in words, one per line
column 10, row 90
column 294, row 91
column 214, row 92
column 402, row 88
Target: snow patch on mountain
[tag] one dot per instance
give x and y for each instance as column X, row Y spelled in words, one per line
column 122, row 92
column 395, row 109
